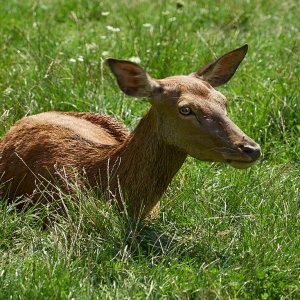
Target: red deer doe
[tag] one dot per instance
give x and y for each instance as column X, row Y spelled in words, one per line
column 187, row 117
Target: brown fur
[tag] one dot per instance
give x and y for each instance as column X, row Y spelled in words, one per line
column 137, row 167
column 33, row 148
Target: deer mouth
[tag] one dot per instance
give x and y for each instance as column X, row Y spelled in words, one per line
column 238, row 164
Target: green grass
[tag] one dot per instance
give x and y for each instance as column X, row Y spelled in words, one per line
column 222, row 233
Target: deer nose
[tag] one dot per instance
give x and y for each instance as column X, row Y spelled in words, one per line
column 251, row 150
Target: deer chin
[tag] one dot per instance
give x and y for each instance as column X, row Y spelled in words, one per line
column 240, row 164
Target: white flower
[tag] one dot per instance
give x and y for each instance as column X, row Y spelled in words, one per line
column 173, row 19
column 80, row 58
column 103, row 37
column 135, row 59
column 147, row 25
column 105, row 53
column 105, row 13
column 8, row 91
column 113, row 29
column 91, row 46
column 72, row 60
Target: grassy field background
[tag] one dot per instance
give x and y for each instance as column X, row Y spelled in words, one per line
column 222, row 233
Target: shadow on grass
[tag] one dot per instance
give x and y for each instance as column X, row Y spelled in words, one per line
column 90, row 225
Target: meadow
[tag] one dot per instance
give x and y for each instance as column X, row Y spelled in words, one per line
column 222, row 233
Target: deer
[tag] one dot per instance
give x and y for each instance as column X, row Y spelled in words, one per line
column 187, row 116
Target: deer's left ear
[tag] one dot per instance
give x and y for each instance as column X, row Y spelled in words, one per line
column 221, row 70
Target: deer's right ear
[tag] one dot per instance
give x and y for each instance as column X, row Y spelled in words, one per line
column 221, row 70
column 133, row 80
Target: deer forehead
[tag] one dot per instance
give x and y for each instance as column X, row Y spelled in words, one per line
column 192, row 91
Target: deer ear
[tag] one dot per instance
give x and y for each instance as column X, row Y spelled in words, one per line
column 221, row 70
column 133, row 80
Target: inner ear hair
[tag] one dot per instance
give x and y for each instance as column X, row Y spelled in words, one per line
column 133, row 80
column 222, row 69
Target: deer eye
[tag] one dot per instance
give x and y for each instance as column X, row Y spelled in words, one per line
column 185, row 110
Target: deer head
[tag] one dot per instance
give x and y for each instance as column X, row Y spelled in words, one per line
column 191, row 114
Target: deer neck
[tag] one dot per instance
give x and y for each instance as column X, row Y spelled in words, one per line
column 145, row 166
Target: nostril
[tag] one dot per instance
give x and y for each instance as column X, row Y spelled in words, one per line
column 253, row 151
column 248, row 149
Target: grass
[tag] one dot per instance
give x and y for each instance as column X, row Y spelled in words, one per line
column 222, row 233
